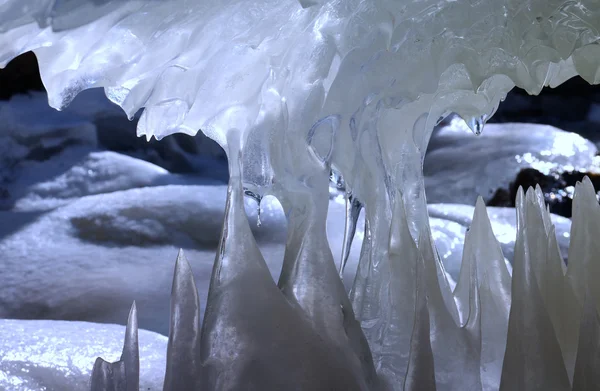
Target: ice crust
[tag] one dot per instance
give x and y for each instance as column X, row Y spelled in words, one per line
column 294, row 90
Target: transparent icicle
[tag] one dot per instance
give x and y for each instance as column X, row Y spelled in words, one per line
column 399, row 316
column 123, row 375
column 533, row 358
column 353, row 208
column 183, row 351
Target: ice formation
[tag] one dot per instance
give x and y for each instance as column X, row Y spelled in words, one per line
column 293, row 90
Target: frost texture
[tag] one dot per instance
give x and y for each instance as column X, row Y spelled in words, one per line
column 293, row 90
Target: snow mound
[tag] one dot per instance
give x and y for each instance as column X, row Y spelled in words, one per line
column 459, row 167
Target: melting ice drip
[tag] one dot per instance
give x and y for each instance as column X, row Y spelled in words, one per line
column 292, row 90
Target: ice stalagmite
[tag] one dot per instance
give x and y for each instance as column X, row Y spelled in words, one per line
column 399, row 297
column 123, row 375
column 562, row 304
column 533, row 358
column 183, row 352
column 420, row 374
column 482, row 253
column 584, row 249
column 456, row 348
column 587, row 366
column 253, row 337
column 310, row 279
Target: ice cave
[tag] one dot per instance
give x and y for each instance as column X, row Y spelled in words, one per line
column 346, row 238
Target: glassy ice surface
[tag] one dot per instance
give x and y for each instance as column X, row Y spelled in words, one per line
column 295, row 90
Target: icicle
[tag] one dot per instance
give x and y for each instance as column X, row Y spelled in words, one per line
column 336, row 179
column 183, row 351
column 353, row 208
column 258, row 198
column 476, row 124
column 587, row 367
column 533, row 359
column 359, row 286
column 258, row 222
column 123, row 375
column 395, row 328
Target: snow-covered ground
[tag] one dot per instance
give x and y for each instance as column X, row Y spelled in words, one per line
column 59, row 355
column 90, row 259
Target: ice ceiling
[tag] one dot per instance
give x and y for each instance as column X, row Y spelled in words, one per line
column 295, row 89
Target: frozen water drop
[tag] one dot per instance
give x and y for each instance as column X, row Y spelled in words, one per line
column 258, row 222
column 353, row 208
column 336, row 179
column 476, row 124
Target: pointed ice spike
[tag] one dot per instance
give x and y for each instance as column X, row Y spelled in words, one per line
column 584, row 248
column 482, row 253
column 420, row 374
column 353, row 208
column 123, row 375
column 108, row 376
column 533, row 359
column 456, row 350
column 541, row 201
column 536, row 234
column 561, row 302
column 520, row 208
column 310, row 278
column 482, row 248
column 587, row 366
column 253, row 338
column 183, row 350
column 131, row 354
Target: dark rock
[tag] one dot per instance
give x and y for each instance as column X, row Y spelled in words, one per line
column 557, row 188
